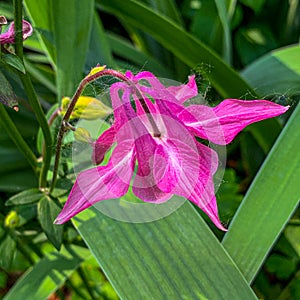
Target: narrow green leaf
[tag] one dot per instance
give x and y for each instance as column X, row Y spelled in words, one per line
column 186, row 47
column 48, row 274
column 167, row 8
column 7, row 95
column 224, row 20
column 7, row 251
column 268, row 204
column 25, row 197
column 124, row 49
column 72, row 23
column 99, row 51
column 14, row 61
column 41, row 16
column 176, row 257
column 48, row 210
column 276, row 73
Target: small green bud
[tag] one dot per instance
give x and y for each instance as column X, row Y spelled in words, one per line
column 12, row 220
column 82, row 135
column 88, row 108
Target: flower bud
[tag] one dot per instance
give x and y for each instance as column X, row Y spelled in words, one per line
column 12, row 220
column 97, row 69
column 88, row 108
column 82, row 135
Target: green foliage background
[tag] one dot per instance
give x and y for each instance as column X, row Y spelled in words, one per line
column 237, row 49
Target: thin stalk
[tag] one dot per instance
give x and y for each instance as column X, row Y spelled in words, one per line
column 88, row 79
column 75, row 288
column 32, row 97
column 13, row 132
column 82, row 275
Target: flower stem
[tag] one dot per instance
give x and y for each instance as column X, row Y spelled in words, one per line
column 85, row 81
column 84, row 279
column 14, row 134
column 32, row 97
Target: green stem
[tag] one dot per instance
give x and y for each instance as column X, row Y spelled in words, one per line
column 32, row 97
column 14, row 134
column 81, row 273
column 18, row 28
column 38, row 111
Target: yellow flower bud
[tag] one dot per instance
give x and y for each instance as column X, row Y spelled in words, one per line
column 12, row 219
column 88, row 108
column 82, row 135
column 96, row 70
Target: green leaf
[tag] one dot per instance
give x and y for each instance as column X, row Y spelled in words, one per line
column 268, row 204
column 213, row 15
column 48, row 274
column 17, row 181
column 292, row 234
column 41, row 17
column 280, row 266
column 25, row 197
column 64, row 28
column 253, row 42
column 256, row 5
column 7, row 95
column 176, row 257
column 14, row 61
column 183, row 45
column 99, row 51
column 72, row 23
column 276, row 73
column 124, row 49
column 7, row 251
column 48, row 210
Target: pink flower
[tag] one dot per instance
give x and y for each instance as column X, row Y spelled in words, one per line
column 159, row 136
column 8, row 36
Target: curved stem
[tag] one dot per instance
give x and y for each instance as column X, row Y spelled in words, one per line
column 31, row 95
column 85, row 81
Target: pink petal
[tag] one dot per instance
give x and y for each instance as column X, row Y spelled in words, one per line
column 185, row 91
column 101, row 183
column 222, row 123
column 8, row 36
column 167, row 166
column 203, row 194
column 103, row 144
column 145, row 185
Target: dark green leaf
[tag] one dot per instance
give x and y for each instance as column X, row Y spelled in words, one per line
column 124, row 49
column 14, row 61
column 7, row 251
column 280, row 266
column 17, row 181
column 256, row 5
column 48, row 210
column 7, row 95
column 72, row 23
column 183, row 45
column 48, row 274
column 99, row 51
column 25, row 197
